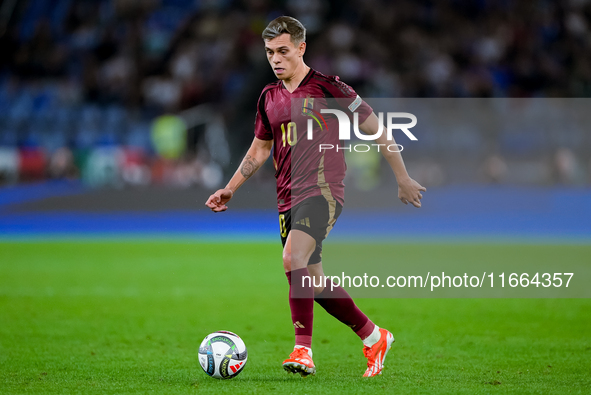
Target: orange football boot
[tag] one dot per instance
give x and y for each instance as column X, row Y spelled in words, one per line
column 376, row 354
column 300, row 361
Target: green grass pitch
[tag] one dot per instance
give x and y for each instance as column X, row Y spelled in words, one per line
column 122, row 317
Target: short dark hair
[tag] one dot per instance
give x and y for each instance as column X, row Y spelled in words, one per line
column 285, row 24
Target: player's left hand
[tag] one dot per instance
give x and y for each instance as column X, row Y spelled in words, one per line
column 409, row 191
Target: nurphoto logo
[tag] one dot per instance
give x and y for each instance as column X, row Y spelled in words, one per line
column 345, row 129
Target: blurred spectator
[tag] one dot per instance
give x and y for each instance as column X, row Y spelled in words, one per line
column 83, row 76
column 495, row 169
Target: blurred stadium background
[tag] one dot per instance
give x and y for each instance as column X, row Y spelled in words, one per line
column 120, row 117
column 147, row 106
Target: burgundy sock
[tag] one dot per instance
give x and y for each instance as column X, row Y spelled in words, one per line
column 301, row 303
column 338, row 303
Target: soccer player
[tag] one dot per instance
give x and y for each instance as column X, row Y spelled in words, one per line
column 310, row 189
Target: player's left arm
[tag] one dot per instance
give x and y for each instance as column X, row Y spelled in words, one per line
column 408, row 189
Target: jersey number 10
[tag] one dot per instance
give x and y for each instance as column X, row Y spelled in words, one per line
column 291, row 129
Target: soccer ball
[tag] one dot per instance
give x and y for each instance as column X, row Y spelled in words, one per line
column 222, row 355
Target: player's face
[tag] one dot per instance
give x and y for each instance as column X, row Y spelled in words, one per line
column 285, row 58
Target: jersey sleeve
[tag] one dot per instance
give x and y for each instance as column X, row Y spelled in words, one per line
column 262, row 126
column 348, row 99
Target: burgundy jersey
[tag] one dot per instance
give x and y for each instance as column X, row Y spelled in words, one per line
column 302, row 169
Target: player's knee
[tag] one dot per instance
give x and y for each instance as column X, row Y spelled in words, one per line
column 319, row 280
column 318, row 290
column 292, row 262
column 287, row 261
column 297, row 261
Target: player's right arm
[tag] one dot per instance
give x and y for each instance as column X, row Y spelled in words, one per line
column 255, row 157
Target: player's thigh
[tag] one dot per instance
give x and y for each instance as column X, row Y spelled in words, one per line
column 315, row 216
column 298, row 249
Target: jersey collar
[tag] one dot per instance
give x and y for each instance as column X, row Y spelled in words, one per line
column 304, row 81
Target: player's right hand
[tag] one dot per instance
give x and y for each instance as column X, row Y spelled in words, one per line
column 217, row 201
